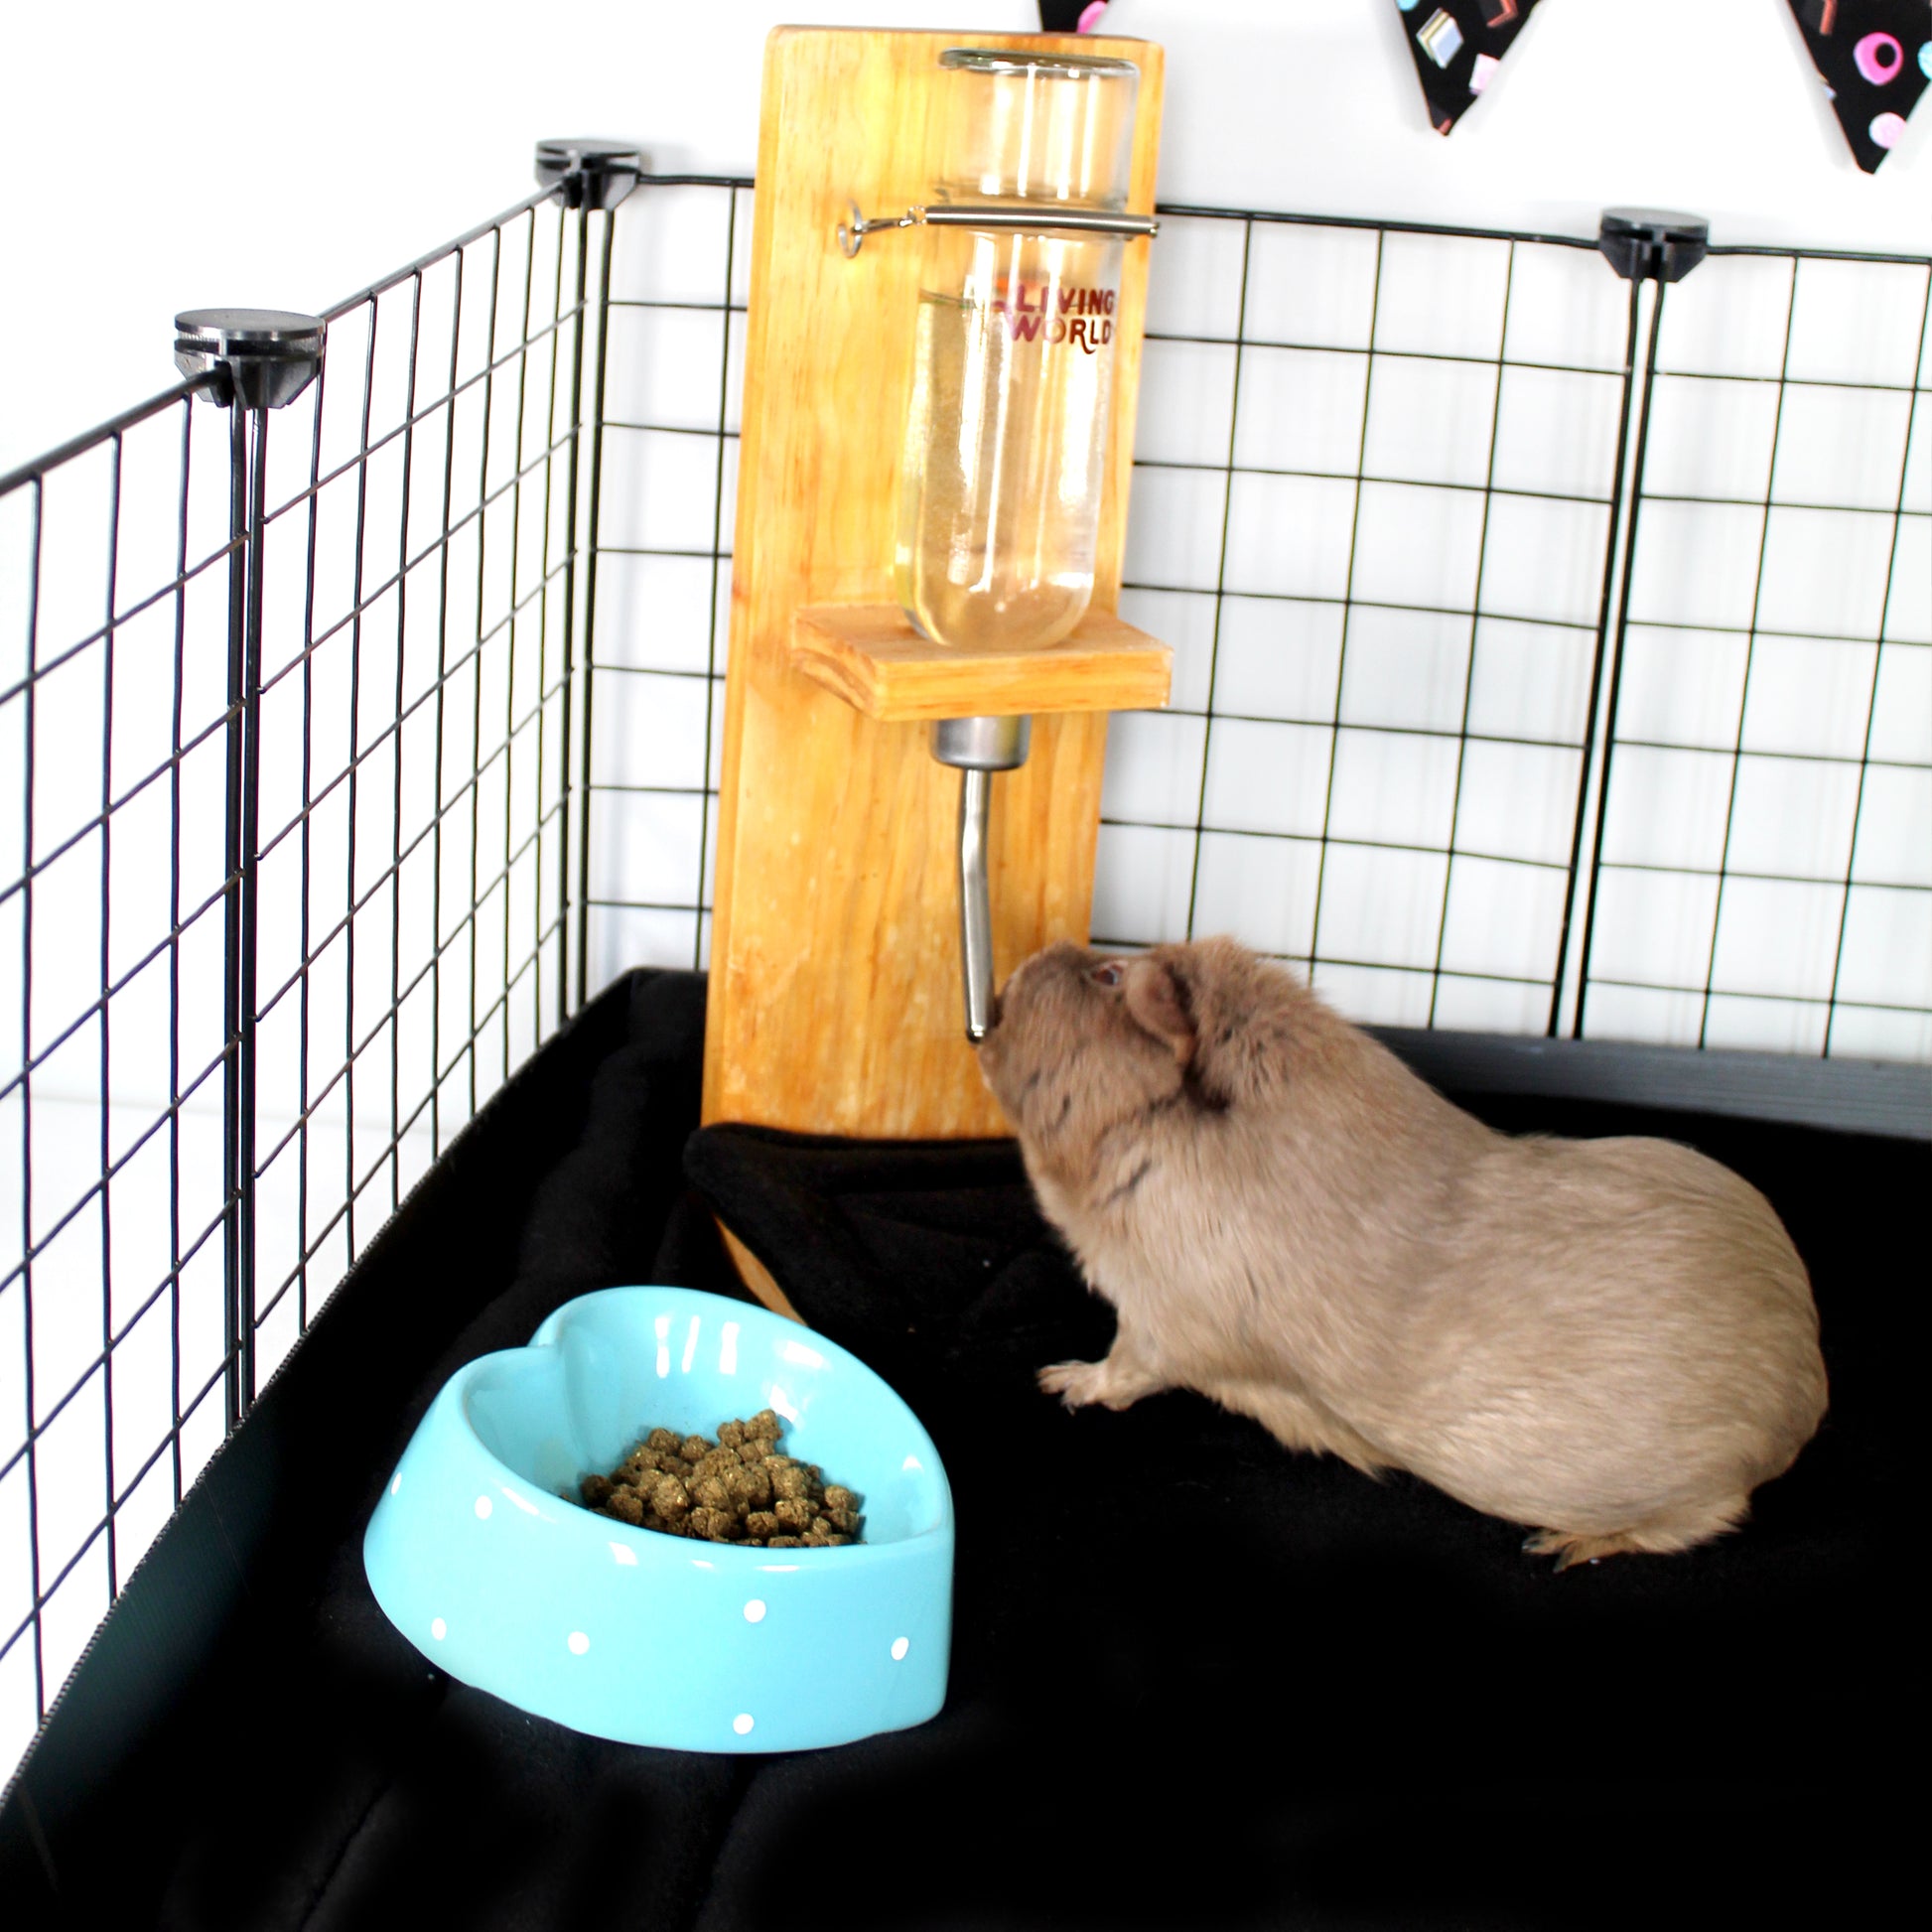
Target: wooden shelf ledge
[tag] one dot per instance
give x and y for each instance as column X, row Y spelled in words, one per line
column 873, row 658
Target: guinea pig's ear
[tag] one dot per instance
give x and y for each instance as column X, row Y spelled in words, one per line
column 1158, row 1002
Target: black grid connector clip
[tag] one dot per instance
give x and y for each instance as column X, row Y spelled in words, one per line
column 589, row 174
column 267, row 356
column 1652, row 244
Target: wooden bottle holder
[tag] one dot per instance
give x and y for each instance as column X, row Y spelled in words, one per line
column 835, row 999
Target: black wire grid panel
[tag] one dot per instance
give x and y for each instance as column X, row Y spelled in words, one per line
column 1509, row 681
column 1762, row 872
column 1408, row 503
column 291, row 697
column 1458, row 536
column 679, row 281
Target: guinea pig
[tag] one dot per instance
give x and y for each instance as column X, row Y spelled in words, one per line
column 1613, row 1342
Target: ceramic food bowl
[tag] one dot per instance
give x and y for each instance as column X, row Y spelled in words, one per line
column 479, row 1560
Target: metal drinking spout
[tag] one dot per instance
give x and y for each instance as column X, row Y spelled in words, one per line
column 979, row 747
column 975, row 901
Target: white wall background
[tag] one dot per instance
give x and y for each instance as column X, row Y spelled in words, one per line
column 353, row 143
column 145, row 167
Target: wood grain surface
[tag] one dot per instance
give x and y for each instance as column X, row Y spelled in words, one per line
column 835, row 975
column 870, row 655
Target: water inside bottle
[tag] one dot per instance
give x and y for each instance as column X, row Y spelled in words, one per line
column 1006, row 440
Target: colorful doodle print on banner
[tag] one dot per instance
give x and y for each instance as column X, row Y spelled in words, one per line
column 1458, row 45
column 1874, row 57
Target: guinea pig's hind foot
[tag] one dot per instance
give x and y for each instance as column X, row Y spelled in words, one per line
column 1568, row 1550
column 1662, row 1535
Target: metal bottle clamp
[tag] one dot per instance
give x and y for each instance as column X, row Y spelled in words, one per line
column 1041, row 217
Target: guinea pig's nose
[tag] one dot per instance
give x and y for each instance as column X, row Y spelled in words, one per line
column 999, row 1007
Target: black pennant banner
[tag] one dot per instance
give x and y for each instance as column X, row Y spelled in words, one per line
column 1874, row 57
column 1458, row 45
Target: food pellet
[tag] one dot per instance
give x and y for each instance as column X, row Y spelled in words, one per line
column 741, row 1488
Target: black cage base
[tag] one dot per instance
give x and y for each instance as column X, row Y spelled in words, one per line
column 1206, row 1684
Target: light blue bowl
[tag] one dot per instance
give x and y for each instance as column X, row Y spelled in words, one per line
column 479, row 1560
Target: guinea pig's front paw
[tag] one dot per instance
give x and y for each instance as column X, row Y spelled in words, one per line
column 1077, row 1383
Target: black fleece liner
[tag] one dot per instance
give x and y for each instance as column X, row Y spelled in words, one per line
column 1197, row 1680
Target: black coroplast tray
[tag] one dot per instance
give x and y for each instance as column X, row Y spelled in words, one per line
column 1197, row 1683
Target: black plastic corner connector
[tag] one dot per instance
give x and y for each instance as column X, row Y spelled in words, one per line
column 588, row 172
column 1652, row 244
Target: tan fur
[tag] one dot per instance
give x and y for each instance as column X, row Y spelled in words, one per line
column 1612, row 1341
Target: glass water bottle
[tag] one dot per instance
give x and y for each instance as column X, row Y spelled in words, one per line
column 1006, row 437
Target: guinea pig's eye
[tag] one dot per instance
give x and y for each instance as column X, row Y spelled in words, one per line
column 1111, row 974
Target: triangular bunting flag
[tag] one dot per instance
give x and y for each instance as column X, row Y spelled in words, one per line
column 1874, row 57
column 1458, row 45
